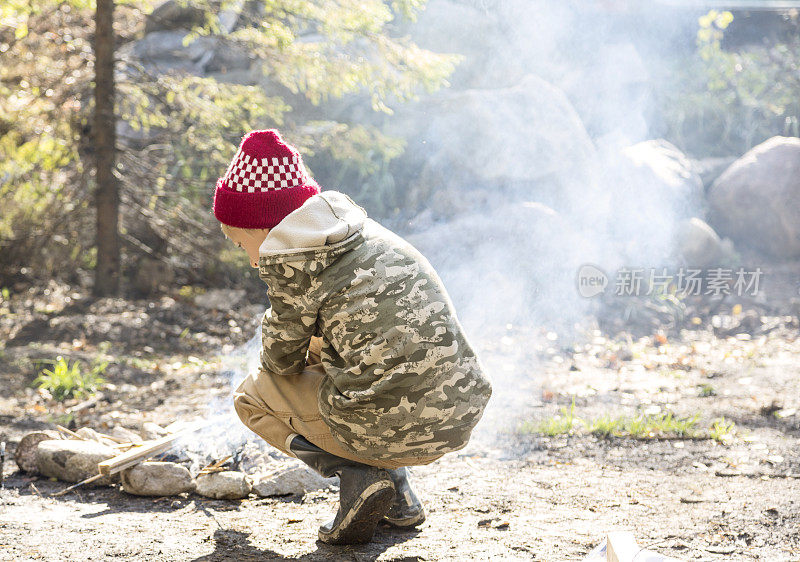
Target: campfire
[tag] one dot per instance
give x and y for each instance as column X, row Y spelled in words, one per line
column 164, row 461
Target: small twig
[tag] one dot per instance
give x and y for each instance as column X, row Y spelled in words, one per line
column 89, row 480
column 215, row 466
column 2, row 461
column 66, row 431
column 35, row 489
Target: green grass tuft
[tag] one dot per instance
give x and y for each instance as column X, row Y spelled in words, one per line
column 64, row 380
column 557, row 425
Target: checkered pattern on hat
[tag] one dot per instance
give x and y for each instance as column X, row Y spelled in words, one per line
column 249, row 174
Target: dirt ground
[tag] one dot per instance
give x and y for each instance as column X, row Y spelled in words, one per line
column 510, row 495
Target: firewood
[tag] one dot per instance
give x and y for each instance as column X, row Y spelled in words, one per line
column 137, row 454
column 143, row 451
column 72, row 434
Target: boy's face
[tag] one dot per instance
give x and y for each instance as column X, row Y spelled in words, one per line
column 247, row 239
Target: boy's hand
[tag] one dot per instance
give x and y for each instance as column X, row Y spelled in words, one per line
column 314, row 350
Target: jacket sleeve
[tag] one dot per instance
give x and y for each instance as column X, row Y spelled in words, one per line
column 286, row 332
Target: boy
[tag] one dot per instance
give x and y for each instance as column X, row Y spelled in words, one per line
column 365, row 369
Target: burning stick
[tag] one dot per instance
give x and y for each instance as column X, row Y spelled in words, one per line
column 215, row 466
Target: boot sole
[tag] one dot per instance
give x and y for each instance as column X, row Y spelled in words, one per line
column 408, row 522
column 359, row 524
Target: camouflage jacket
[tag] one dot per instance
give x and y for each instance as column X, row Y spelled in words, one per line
column 402, row 380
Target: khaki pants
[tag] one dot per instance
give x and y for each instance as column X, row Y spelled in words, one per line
column 276, row 407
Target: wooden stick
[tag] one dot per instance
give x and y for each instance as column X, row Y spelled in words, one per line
column 143, row 451
column 120, row 440
column 215, row 465
column 89, row 480
column 63, row 429
column 2, row 461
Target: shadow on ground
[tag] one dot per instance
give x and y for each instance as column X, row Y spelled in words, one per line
column 232, row 546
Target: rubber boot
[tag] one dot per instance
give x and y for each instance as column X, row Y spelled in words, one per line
column 365, row 493
column 406, row 509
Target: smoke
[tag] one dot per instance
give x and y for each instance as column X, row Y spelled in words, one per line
column 510, row 261
column 223, row 433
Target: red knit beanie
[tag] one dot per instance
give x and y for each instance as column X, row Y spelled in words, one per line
column 265, row 182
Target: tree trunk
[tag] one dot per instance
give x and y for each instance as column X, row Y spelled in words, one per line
column 107, row 270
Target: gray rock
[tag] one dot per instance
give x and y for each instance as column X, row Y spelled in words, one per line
column 698, row 245
column 174, row 14
column 25, row 455
column 756, row 202
column 663, row 174
column 89, row 433
column 157, row 479
column 527, row 250
column 125, row 433
column 72, row 460
column 164, row 51
column 229, row 485
column 291, row 480
column 710, row 169
column 526, row 133
column 151, row 430
column 219, row 299
column 152, row 276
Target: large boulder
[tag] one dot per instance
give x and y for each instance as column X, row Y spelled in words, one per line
column 664, row 174
column 174, row 14
column 500, row 264
column 164, row 51
column 650, row 187
column 756, row 202
column 698, row 245
column 524, row 134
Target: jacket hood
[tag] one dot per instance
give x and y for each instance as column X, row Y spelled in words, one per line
column 325, row 219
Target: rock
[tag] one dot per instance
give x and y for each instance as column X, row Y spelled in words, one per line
column 291, row 480
column 25, row 456
column 174, row 14
column 756, row 202
column 157, row 479
column 663, row 175
column 229, row 485
column 164, row 51
column 520, row 134
column 219, row 299
column 541, row 253
column 89, row 433
column 71, row 460
column 710, row 169
column 127, row 434
column 152, row 430
column 649, row 188
column 152, row 276
column 697, row 244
